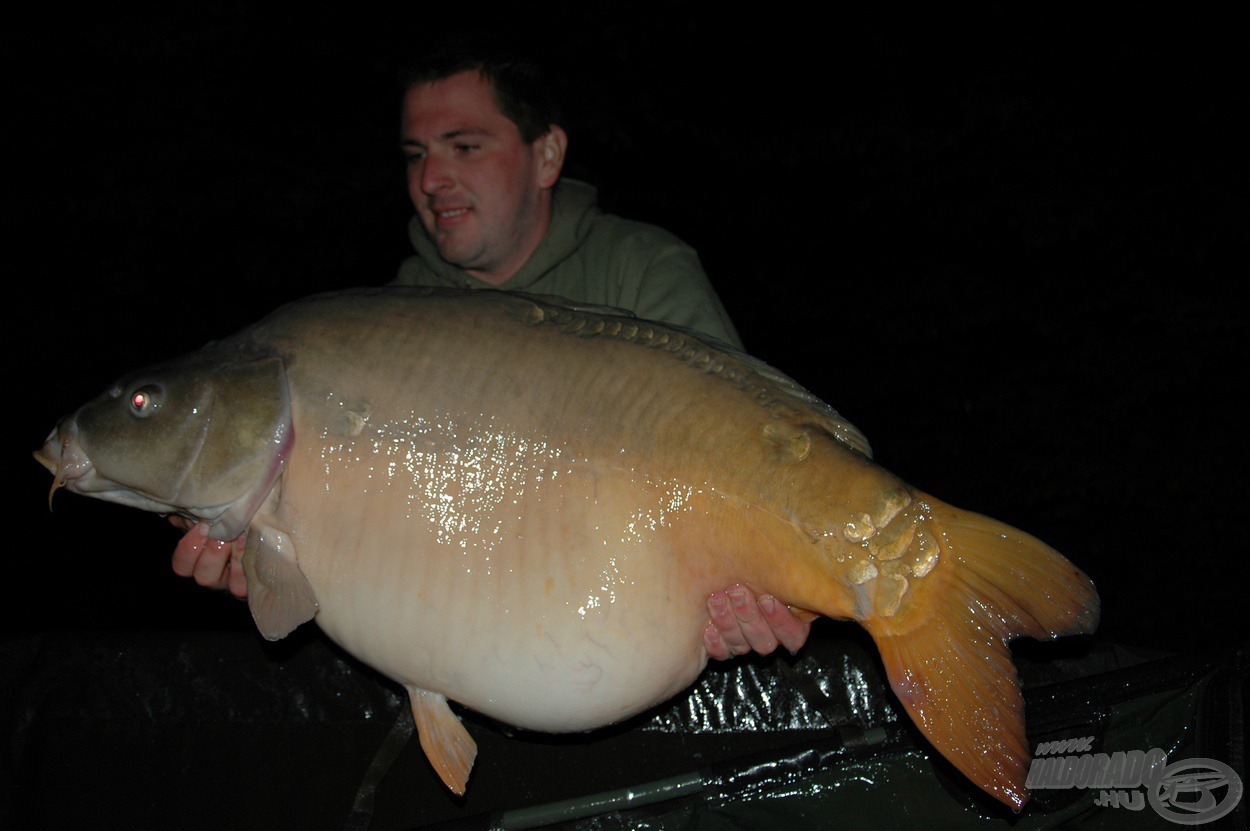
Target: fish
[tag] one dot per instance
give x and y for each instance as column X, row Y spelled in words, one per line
column 520, row 504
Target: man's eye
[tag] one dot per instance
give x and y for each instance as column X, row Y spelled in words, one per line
column 467, row 148
column 413, row 158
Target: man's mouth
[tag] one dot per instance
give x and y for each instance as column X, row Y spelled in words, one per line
column 449, row 216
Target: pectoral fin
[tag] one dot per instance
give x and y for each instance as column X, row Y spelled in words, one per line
column 278, row 593
column 448, row 746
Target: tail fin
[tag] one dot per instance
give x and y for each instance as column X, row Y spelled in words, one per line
column 945, row 650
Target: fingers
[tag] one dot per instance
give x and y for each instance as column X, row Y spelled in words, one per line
column 210, row 569
column 714, row 645
column 755, row 628
column 187, row 552
column 741, row 623
column 181, row 522
column 237, row 578
column 790, row 631
column 723, row 637
column 215, row 564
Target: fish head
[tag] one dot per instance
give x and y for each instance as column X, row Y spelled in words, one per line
column 205, row 436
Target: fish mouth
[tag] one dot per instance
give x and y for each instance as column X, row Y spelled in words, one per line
column 49, row 455
column 63, row 456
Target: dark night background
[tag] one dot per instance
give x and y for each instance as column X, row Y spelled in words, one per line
column 1007, row 244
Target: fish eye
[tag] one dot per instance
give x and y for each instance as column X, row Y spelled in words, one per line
column 144, row 400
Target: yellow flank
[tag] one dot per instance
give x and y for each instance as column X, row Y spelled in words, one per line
column 696, row 467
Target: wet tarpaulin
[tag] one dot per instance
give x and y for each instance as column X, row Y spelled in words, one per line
column 213, row 730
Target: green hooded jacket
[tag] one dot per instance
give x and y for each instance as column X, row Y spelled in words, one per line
column 592, row 257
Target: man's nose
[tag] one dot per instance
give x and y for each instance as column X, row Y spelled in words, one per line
column 435, row 175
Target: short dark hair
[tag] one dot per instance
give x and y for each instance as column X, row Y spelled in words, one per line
column 523, row 92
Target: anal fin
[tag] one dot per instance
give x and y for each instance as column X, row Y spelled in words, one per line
column 278, row 594
column 448, row 746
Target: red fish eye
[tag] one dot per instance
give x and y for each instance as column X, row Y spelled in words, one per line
column 144, row 400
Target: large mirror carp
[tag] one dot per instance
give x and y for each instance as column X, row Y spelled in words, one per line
column 521, row 505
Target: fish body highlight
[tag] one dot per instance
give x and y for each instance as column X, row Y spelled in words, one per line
column 521, row 504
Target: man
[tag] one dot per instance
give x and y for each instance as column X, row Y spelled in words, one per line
column 485, row 151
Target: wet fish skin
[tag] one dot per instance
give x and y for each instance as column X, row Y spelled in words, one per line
column 521, row 505
column 206, row 444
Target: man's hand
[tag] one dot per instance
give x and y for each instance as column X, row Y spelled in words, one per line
column 215, row 564
column 741, row 622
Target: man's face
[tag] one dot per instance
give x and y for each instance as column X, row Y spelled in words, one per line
column 482, row 193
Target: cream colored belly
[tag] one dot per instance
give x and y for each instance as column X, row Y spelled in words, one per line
column 541, row 590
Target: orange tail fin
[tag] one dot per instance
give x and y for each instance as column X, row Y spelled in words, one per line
column 945, row 649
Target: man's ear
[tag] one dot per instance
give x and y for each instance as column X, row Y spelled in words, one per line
column 549, row 152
